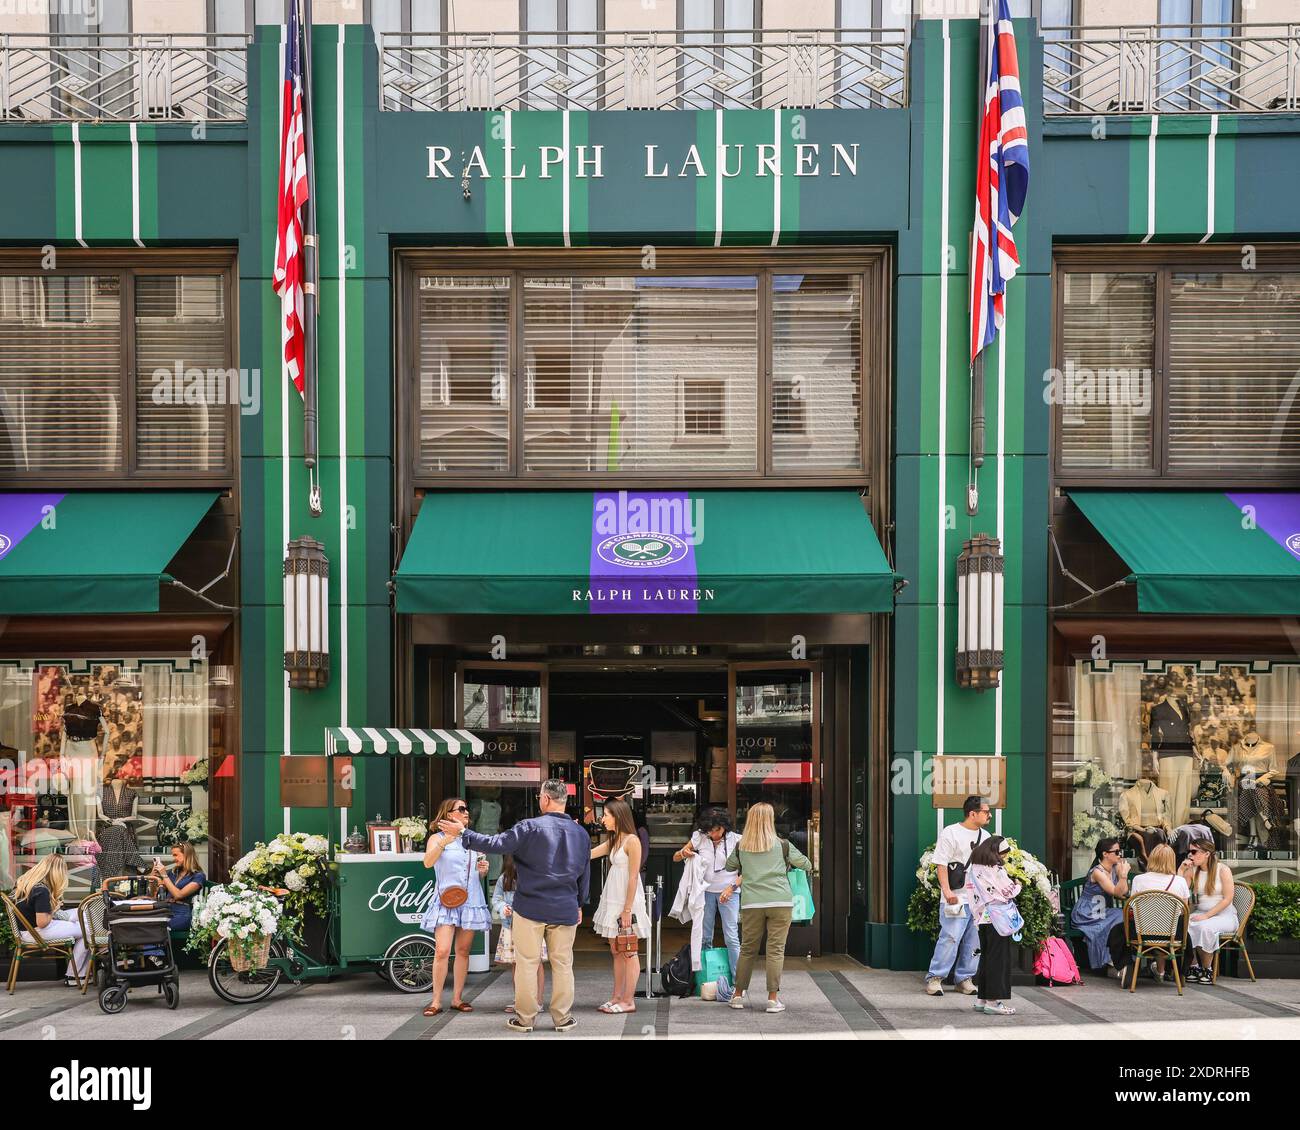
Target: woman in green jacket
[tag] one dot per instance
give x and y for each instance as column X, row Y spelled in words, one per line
column 765, row 900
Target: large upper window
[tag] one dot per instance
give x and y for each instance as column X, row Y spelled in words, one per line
column 117, row 373
column 546, row 374
column 1187, row 371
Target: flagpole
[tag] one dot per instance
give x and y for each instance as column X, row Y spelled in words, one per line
column 977, row 366
column 311, row 277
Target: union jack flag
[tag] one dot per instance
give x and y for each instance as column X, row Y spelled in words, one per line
column 288, row 283
column 1001, row 181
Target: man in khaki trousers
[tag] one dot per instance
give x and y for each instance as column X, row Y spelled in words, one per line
column 553, row 862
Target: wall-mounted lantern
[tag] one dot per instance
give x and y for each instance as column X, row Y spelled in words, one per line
column 980, row 570
column 306, row 614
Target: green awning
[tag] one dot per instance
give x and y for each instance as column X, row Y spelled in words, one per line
column 639, row 552
column 91, row 551
column 1204, row 552
column 344, row 741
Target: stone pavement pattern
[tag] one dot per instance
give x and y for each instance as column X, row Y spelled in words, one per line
column 827, row 998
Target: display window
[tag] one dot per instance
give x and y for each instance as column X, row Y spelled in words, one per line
column 1157, row 751
column 110, row 763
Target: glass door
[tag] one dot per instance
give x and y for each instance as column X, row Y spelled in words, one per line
column 775, row 746
column 506, row 707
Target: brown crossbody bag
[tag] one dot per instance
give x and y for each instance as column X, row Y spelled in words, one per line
column 452, row 897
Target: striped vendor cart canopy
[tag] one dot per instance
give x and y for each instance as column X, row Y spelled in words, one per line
column 344, row 741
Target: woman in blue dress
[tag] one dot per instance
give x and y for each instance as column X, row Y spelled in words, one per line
column 454, row 926
column 1098, row 913
column 179, row 885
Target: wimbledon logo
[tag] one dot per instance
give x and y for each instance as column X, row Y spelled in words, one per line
column 641, row 551
column 1292, row 543
column 5, row 545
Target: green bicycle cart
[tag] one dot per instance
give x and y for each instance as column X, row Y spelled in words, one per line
column 375, row 901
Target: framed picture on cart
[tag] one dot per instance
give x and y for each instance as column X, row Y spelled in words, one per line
column 383, row 840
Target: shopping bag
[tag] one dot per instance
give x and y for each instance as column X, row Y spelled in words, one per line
column 802, row 892
column 713, row 963
column 505, row 954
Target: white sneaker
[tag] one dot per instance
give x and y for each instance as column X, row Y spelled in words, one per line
column 967, row 987
column 738, row 1001
column 933, row 987
column 775, row 1006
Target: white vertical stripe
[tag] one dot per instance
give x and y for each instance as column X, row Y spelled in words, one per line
column 1209, row 177
column 135, row 186
column 776, row 180
column 565, row 166
column 284, row 449
column 719, row 156
column 341, row 161
column 1151, row 178
column 76, row 181
column 941, row 646
column 510, row 220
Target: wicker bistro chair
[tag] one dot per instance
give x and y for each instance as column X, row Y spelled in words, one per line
column 1243, row 898
column 38, row 946
column 90, row 914
column 1155, row 925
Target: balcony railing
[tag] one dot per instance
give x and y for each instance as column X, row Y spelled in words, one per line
column 644, row 70
column 1171, row 70
column 123, row 78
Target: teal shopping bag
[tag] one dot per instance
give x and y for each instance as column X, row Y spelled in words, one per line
column 802, row 892
column 712, row 963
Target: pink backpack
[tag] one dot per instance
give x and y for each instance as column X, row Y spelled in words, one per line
column 1055, row 963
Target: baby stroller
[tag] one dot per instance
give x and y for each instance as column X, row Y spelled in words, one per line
column 139, row 946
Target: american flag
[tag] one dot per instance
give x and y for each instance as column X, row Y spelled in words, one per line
column 288, row 282
column 1001, row 181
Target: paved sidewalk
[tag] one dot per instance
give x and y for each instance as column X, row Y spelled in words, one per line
column 827, row 998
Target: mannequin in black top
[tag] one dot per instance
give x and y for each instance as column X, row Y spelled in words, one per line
column 1171, row 741
column 83, row 719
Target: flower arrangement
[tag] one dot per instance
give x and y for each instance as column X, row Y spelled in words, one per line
column 1090, row 775
column 1089, row 827
column 411, row 828
column 196, row 774
column 238, row 914
column 295, row 861
column 195, row 827
column 1034, row 900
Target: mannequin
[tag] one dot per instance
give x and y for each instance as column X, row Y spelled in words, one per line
column 82, row 722
column 1144, row 809
column 1255, row 765
column 1171, row 739
column 116, row 811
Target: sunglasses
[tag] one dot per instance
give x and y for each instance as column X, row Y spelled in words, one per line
column 460, row 808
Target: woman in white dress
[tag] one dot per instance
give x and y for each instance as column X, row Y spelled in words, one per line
column 1213, row 914
column 622, row 901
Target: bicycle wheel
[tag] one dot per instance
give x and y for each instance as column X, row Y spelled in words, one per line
column 410, row 963
column 247, row 987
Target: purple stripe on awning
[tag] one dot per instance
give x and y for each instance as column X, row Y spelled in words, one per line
column 1277, row 514
column 20, row 514
column 642, row 559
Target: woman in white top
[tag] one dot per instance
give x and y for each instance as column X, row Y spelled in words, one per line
column 622, row 901
column 1160, row 875
column 714, row 840
column 1214, row 914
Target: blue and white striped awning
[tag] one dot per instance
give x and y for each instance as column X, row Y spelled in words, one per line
column 343, row 741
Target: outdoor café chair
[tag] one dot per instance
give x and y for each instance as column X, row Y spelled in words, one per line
column 1243, row 898
column 1155, row 925
column 38, row 946
column 90, row 914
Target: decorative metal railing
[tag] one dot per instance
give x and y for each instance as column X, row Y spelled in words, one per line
column 123, row 78
column 644, row 70
column 1251, row 69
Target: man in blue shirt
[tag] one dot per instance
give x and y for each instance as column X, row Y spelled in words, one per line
column 553, row 861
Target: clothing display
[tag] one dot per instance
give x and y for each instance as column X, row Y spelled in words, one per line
column 1171, row 741
column 82, row 760
column 119, row 854
column 1179, row 778
column 1144, row 809
column 82, row 720
column 1255, row 765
